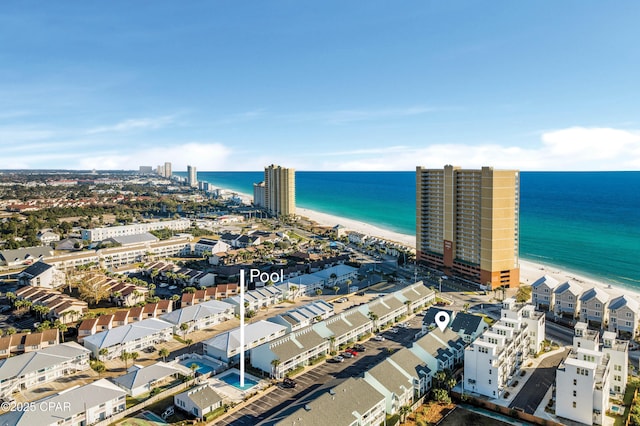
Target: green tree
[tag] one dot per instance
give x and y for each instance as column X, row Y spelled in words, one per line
column 318, row 292
column 98, row 367
column 404, row 410
column 184, row 327
column 336, row 289
column 125, row 357
column 274, row 367
column 103, row 352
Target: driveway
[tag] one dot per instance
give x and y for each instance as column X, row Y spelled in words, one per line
column 532, row 393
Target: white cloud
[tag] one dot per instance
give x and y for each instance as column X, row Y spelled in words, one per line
column 203, row 155
column 135, row 124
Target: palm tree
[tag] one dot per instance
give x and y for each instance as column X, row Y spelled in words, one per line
column 62, row 328
column 125, row 357
column 193, row 368
column 184, row 327
column 103, row 352
column 152, row 288
column 11, row 296
column 294, row 289
column 164, row 353
column 274, row 367
column 373, row 317
column 318, row 292
column 404, row 410
column 336, row 289
column 332, row 342
column 134, row 356
column 189, row 342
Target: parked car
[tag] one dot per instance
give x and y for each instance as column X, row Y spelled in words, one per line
column 337, row 358
column 359, row 348
column 403, row 325
column 347, row 354
column 378, row 338
column 149, row 350
column 351, row 351
column 393, row 330
column 289, row 383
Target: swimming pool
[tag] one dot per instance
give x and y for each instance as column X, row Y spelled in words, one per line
column 202, row 367
column 233, row 379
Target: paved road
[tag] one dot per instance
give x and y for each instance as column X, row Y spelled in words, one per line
column 280, row 402
column 535, row 389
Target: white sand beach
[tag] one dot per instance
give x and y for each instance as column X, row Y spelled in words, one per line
column 529, row 271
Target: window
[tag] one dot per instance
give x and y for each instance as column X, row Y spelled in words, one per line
column 617, row 367
column 490, row 372
column 575, row 382
column 574, row 393
column 489, row 381
column 617, row 378
column 574, row 404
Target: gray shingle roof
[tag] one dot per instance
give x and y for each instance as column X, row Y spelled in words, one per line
column 37, row 269
column 154, row 372
column 30, row 362
column 203, row 396
column 466, row 322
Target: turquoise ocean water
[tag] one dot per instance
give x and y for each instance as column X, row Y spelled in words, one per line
column 588, row 222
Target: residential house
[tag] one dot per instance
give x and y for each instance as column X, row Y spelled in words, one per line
column 416, row 296
column 345, row 328
column 593, row 307
column 82, row 405
column 198, row 401
column 567, row 298
column 440, row 350
column 414, row 368
column 385, row 310
column 543, row 293
column 86, row 328
column 47, row 237
column 40, row 274
column 24, row 256
column 256, row 299
column 623, row 316
column 387, row 379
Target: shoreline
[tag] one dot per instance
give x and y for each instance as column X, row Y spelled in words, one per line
column 530, row 270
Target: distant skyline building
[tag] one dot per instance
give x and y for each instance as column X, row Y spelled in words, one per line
column 259, row 194
column 192, row 176
column 167, row 170
column 280, row 190
column 160, row 170
column 467, row 222
column 145, row 170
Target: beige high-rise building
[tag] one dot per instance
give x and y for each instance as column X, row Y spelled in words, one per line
column 280, row 191
column 167, row 170
column 467, row 222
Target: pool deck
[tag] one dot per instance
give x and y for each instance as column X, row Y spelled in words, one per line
column 231, row 392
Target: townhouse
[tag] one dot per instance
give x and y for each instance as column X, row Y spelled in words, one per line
column 440, row 350
column 28, row 342
column 468, row 326
column 61, row 306
column 414, row 368
column 82, row 405
column 304, row 316
column 353, row 402
column 286, row 353
column 226, row 346
column 593, row 307
column 99, row 234
column 140, row 380
column 24, row 256
column 542, row 293
column 567, row 298
column 387, row 379
column 259, row 298
column 384, row 310
column 416, row 296
column 534, row 321
column 130, row 338
column 200, row 316
column 36, row 368
column 623, row 316
column 345, row 328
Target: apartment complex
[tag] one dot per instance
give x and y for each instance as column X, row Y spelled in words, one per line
column 280, row 191
column 192, row 176
column 467, row 222
column 99, row 234
column 491, row 361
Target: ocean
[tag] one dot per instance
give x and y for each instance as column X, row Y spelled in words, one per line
column 587, row 222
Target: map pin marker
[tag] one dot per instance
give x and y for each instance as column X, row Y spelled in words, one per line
column 442, row 320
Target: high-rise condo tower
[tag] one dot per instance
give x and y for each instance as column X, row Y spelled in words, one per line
column 280, row 191
column 467, row 223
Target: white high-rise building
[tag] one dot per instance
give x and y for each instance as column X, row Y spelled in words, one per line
column 167, row 170
column 192, row 176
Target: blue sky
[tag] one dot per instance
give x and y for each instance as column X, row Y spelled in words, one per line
column 331, row 85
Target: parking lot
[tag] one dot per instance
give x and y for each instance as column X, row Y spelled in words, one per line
column 278, row 402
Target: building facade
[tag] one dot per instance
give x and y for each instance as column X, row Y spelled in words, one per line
column 467, row 222
column 280, row 191
column 192, row 176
